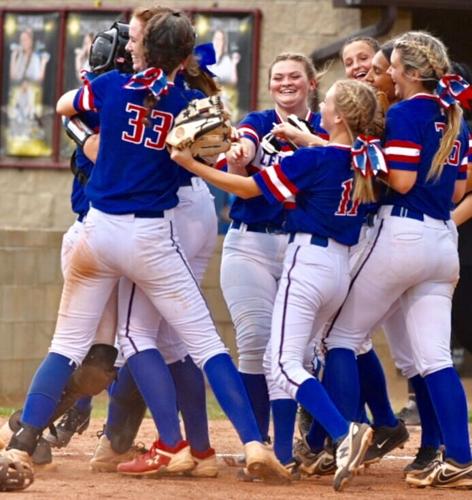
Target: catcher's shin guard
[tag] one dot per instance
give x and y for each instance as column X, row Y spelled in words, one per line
column 94, row 375
column 25, row 438
column 123, row 435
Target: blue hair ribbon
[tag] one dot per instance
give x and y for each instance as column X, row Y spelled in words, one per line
column 367, row 156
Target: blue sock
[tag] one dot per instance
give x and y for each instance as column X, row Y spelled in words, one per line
column 315, row 437
column 46, row 389
column 231, row 394
column 191, row 400
column 313, row 397
column 284, row 412
column 362, row 412
column 155, row 383
column 256, row 387
column 374, row 389
column 341, row 381
column 125, row 399
column 430, row 431
column 449, row 402
column 84, row 404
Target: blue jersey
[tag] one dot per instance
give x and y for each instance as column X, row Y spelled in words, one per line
column 79, row 201
column 414, row 128
column 321, row 180
column 133, row 172
column 254, row 127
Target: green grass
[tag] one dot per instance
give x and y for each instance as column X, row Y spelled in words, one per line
column 100, row 408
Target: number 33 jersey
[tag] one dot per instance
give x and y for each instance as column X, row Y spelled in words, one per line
column 133, row 171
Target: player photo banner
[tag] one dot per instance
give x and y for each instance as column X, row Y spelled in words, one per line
column 235, row 37
column 28, row 84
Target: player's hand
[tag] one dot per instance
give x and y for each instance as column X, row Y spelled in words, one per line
column 289, row 133
column 182, row 156
column 238, row 154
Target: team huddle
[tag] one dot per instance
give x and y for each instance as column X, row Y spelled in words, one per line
column 341, row 224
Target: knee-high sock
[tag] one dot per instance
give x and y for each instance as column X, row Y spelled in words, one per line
column 155, row 383
column 313, row 397
column 231, row 394
column 341, row 381
column 316, row 436
column 284, row 412
column 191, row 400
column 430, row 430
column 374, row 389
column 256, row 388
column 46, row 389
column 449, row 402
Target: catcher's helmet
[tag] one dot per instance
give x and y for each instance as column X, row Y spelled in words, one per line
column 108, row 50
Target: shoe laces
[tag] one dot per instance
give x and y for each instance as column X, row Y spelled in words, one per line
column 140, row 448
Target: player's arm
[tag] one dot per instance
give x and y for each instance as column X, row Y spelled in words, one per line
column 65, row 104
column 288, row 132
column 459, row 191
column 463, row 212
column 240, row 155
column 468, row 186
column 91, row 147
column 401, row 180
column 244, row 187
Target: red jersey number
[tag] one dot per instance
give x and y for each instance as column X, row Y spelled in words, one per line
column 138, row 129
column 346, row 206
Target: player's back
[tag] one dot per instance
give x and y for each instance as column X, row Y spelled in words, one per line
column 414, row 128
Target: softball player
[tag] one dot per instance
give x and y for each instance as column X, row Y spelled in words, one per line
column 396, row 332
column 196, row 226
column 357, row 54
column 322, row 225
column 414, row 256
column 130, row 231
column 255, row 245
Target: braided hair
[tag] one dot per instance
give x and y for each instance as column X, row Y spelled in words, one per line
column 422, row 52
column 357, row 104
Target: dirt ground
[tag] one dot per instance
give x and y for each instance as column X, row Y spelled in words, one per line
column 70, row 477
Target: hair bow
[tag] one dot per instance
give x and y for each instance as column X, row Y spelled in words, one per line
column 153, row 79
column 452, row 88
column 367, row 156
column 205, row 56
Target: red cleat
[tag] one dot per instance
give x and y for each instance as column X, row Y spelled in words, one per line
column 160, row 459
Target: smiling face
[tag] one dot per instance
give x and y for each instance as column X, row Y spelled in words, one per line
column 405, row 81
column 289, row 85
column 330, row 117
column 135, row 44
column 357, row 59
column 378, row 76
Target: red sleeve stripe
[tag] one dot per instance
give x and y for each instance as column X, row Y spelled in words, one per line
column 248, row 131
column 86, row 101
column 402, row 151
column 221, row 162
column 403, row 144
column 278, row 183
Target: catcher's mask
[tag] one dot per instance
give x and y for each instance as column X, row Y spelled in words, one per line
column 108, row 50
